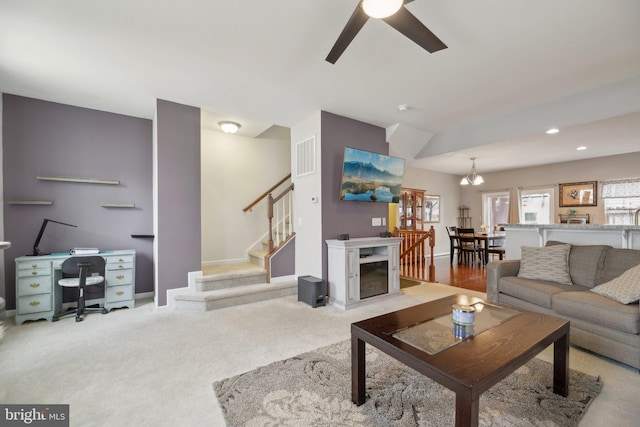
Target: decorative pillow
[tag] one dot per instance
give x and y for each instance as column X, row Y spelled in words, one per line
column 624, row 288
column 549, row 263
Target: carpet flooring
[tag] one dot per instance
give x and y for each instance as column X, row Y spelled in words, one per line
column 314, row 389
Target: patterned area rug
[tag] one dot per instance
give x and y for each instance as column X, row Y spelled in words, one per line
column 314, row 389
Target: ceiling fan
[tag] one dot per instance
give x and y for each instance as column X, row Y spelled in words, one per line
column 397, row 16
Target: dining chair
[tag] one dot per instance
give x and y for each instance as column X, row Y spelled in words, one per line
column 454, row 244
column 469, row 245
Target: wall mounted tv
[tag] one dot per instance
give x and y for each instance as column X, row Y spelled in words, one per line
column 371, row 177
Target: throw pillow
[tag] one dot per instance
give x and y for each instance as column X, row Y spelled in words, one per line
column 624, row 288
column 550, row 263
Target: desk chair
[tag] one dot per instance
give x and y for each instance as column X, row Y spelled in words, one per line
column 80, row 272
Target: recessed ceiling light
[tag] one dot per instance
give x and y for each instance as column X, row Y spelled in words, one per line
column 403, row 107
column 582, row 147
column 553, row 130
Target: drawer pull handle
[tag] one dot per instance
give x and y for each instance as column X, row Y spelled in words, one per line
column 120, row 260
column 34, row 272
column 119, row 277
column 120, row 293
column 120, row 266
column 34, row 303
column 34, row 265
column 34, row 285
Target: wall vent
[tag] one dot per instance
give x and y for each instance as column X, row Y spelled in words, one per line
column 306, row 157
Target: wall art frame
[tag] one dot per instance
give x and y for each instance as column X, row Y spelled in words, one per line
column 431, row 208
column 577, row 194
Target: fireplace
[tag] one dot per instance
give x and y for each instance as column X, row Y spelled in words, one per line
column 374, row 279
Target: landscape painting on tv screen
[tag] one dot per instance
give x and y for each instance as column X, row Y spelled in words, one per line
column 371, row 177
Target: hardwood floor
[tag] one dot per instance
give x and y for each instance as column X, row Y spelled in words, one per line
column 462, row 276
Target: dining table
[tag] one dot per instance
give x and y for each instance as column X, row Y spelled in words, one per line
column 486, row 240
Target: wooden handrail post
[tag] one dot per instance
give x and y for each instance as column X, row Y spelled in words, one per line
column 270, row 217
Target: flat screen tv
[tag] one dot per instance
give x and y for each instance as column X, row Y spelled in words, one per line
column 371, row 177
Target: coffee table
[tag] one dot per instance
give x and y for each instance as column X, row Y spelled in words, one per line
column 503, row 341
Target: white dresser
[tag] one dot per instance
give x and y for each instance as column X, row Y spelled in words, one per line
column 39, row 297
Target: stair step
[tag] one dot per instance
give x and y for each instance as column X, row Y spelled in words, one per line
column 221, row 298
column 230, row 279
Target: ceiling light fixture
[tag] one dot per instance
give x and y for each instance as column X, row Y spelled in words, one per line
column 381, row 8
column 472, row 178
column 552, row 131
column 582, row 147
column 229, row 127
column 403, row 107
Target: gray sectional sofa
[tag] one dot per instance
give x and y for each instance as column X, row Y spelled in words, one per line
column 598, row 323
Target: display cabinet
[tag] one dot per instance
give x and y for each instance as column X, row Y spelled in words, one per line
column 411, row 209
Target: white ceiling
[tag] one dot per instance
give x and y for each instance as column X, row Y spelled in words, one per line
column 513, row 68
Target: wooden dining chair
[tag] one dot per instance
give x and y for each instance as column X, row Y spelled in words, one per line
column 469, row 245
column 454, row 244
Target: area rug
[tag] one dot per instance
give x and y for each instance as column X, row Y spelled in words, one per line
column 314, row 389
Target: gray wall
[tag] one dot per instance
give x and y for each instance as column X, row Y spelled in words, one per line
column 45, row 138
column 340, row 216
column 178, row 236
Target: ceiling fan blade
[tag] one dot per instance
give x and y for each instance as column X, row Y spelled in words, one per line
column 411, row 27
column 356, row 22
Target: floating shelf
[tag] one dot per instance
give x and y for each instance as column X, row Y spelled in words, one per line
column 82, row 180
column 118, row 205
column 30, row 202
column 142, row 236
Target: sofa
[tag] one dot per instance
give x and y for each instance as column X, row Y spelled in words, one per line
column 592, row 292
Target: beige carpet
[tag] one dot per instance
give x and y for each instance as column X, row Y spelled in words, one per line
column 315, row 389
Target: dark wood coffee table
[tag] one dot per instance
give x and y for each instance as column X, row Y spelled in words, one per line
column 468, row 367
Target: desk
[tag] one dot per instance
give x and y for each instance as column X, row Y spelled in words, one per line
column 38, row 295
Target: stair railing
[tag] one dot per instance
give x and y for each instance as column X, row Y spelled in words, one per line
column 279, row 217
column 414, row 263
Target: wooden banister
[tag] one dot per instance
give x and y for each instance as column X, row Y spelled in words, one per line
column 266, row 193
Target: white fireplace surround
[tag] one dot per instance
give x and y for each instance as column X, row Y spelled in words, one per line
column 344, row 259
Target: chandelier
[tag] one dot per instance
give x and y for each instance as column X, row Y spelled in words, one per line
column 472, row 178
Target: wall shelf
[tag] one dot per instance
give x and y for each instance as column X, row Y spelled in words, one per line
column 118, row 205
column 81, row 180
column 30, row 202
column 142, row 236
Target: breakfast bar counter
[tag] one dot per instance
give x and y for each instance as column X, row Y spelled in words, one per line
column 617, row 236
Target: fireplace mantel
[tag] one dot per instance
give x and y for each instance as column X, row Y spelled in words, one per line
column 344, row 261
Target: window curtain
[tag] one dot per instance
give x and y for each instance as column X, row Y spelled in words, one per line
column 621, row 188
column 514, row 205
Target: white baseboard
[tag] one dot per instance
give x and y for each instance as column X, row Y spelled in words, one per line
column 284, row 278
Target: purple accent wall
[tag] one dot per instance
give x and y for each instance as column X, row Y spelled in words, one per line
column 48, row 139
column 341, row 216
column 178, row 169
column 283, row 263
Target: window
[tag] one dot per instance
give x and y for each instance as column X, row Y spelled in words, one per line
column 495, row 209
column 536, row 206
column 621, row 201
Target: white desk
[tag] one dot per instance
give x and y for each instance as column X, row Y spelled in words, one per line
column 39, row 297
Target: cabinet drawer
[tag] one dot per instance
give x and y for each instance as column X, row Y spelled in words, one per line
column 34, row 285
column 35, row 264
column 34, row 272
column 120, row 266
column 119, row 293
column 119, row 259
column 34, row 303
column 119, row 277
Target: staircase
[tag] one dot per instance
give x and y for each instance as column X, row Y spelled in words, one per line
column 229, row 285
column 234, row 284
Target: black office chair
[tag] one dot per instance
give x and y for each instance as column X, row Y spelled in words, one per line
column 80, row 272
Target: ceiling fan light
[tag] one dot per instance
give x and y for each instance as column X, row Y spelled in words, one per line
column 229, row 127
column 381, row 8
